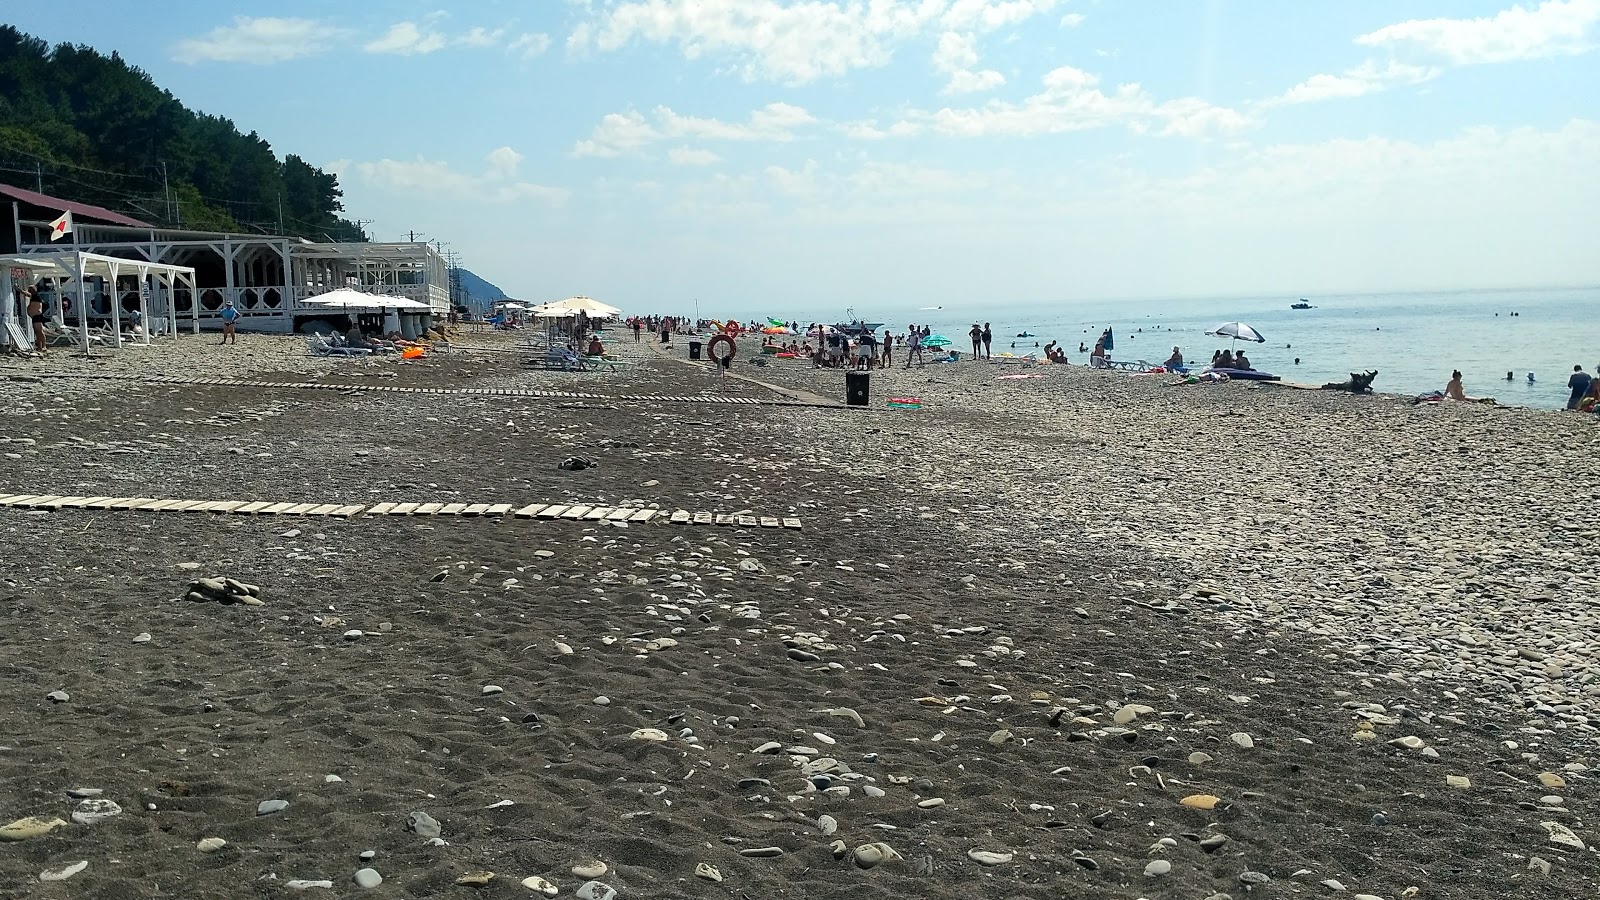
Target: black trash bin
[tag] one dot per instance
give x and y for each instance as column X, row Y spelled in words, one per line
column 855, row 388
column 694, row 349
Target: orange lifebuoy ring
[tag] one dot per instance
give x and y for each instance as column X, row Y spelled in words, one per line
column 711, row 349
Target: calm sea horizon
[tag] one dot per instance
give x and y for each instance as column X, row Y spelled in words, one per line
column 1413, row 339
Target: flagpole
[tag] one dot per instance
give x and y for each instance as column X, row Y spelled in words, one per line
column 83, row 302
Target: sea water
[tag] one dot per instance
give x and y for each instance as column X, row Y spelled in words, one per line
column 1412, row 340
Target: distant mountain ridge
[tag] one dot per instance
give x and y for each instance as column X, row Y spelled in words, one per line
column 478, row 289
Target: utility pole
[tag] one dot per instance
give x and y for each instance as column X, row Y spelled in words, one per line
column 280, row 212
column 38, row 176
column 166, row 192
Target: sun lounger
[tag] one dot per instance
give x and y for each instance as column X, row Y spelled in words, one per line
column 319, row 346
column 557, row 358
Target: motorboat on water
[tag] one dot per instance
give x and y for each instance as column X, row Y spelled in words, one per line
column 1301, row 305
column 858, row 327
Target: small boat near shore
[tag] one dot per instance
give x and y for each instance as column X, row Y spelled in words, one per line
column 1301, row 305
column 1242, row 374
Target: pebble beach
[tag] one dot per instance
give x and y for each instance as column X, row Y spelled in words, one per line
column 1072, row 634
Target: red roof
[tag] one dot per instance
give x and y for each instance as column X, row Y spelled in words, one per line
column 78, row 209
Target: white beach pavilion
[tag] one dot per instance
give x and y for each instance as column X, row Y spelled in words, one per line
column 157, row 286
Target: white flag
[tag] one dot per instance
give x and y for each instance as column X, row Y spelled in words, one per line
column 60, row 227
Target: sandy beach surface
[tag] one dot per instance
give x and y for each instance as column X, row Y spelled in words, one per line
column 1075, row 635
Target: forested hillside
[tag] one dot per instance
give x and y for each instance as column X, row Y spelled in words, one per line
column 77, row 124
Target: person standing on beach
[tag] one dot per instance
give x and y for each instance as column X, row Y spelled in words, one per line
column 37, row 317
column 886, row 361
column 638, row 328
column 914, row 347
column 1579, row 384
column 976, row 333
column 987, row 336
column 230, row 318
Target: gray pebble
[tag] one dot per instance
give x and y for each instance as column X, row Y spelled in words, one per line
column 596, row 890
column 424, row 825
column 268, row 807
column 368, row 878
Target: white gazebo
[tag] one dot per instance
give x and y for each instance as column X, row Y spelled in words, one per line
column 154, row 282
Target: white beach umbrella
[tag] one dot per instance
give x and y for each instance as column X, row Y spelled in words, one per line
column 1239, row 331
column 585, row 304
column 551, row 311
column 344, row 298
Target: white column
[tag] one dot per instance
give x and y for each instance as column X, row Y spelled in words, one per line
column 116, row 306
column 144, row 311
column 83, row 302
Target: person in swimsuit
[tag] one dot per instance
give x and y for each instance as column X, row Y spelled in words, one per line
column 976, row 333
column 987, row 336
column 37, row 316
column 230, row 318
column 1454, row 390
column 886, row 360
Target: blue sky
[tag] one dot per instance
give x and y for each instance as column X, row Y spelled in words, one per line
column 765, row 153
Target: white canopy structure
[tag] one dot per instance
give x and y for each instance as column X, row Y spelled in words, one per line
column 73, row 269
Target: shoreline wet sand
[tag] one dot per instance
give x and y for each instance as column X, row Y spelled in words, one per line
column 1080, row 634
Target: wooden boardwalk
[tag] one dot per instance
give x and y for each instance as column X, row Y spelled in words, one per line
column 534, row 511
column 454, row 392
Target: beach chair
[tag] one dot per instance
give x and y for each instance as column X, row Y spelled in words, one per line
column 558, row 358
column 56, row 334
column 321, row 346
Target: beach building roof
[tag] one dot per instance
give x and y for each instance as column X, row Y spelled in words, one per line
column 35, row 204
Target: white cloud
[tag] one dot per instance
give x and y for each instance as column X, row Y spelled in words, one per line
column 620, row 133
column 794, row 42
column 617, row 133
column 1071, row 100
column 529, row 45
column 957, row 56
column 1368, row 78
column 259, row 40
column 408, row 39
column 1553, row 28
column 955, row 52
column 497, row 184
column 1421, row 49
column 974, row 82
column 1072, row 20
column 687, row 156
column 481, row 37
column 504, row 161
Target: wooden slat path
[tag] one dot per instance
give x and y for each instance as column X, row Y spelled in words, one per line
column 547, row 512
column 721, row 399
